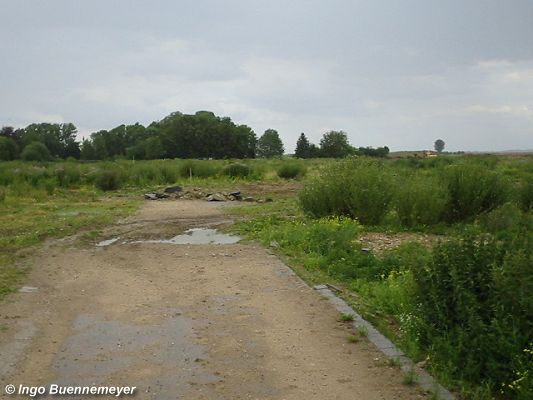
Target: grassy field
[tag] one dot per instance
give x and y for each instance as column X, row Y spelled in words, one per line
column 436, row 252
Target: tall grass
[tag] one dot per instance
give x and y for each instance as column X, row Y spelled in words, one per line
column 473, row 189
column 357, row 188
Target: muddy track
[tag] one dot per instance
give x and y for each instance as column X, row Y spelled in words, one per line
column 183, row 321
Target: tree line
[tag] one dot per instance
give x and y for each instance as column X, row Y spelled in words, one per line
column 199, row 135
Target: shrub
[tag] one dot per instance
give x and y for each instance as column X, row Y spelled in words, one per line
column 476, row 309
column 526, row 195
column 473, row 189
column 68, row 175
column 108, row 180
column 237, row 170
column 291, row 170
column 35, row 151
column 356, row 188
column 420, row 201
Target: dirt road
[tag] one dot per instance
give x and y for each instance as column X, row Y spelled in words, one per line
column 181, row 321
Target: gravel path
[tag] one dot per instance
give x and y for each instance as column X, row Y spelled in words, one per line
column 181, row 321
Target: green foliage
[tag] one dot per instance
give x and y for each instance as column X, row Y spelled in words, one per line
column 291, row 170
column 68, row 176
column 237, row 170
column 347, row 317
column 473, row 189
column 35, row 151
column 108, row 180
column 356, row 188
column 420, row 200
column 8, row 149
column 335, row 144
column 526, row 194
column 198, row 169
column 371, row 152
column 270, row 145
column 476, row 309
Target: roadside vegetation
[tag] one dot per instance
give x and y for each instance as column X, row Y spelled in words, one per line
column 462, row 303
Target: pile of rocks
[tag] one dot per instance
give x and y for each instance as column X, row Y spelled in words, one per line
column 177, row 192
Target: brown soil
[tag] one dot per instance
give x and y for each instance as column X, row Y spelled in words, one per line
column 183, row 321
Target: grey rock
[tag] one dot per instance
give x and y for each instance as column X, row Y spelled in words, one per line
column 173, row 189
column 216, row 197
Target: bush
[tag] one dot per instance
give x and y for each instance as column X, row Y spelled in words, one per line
column 526, row 195
column 291, row 170
column 35, row 151
column 108, row 180
column 473, row 190
column 237, row 170
column 68, row 175
column 420, row 201
column 356, row 188
column 476, row 309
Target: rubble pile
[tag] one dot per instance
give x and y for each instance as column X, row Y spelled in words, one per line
column 176, row 192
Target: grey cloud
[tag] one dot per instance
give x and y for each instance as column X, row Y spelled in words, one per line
column 397, row 72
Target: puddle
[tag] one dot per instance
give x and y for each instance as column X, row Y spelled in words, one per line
column 107, row 242
column 28, row 289
column 197, row 236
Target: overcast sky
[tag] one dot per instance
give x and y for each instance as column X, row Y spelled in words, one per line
column 400, row 73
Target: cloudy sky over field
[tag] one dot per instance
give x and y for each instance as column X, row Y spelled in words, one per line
column 400, row 73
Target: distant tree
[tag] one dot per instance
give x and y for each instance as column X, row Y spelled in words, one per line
column 371, row 152
column 204, row 135
column 439, row 145
column 35, row 151
column 335, row 144
column 8, row 149
column 314, row 151
column 270, row 144
column 59, row 139
column 7, row 131
column 87, row 150
column 303, row 147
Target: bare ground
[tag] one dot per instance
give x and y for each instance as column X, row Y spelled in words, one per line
column 183, row 321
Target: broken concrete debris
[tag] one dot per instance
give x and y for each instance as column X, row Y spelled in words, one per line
column 177, row 192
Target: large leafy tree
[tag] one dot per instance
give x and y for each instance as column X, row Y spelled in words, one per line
column 270, row 144
column 335, row 144
column 59, row 139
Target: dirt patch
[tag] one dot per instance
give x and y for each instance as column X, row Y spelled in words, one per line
column 379, row 242
column 184, row 321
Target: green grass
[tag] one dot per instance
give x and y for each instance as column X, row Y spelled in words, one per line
column 409, row 377
column 347, row 318
column 352, row 339
column 29, row 218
